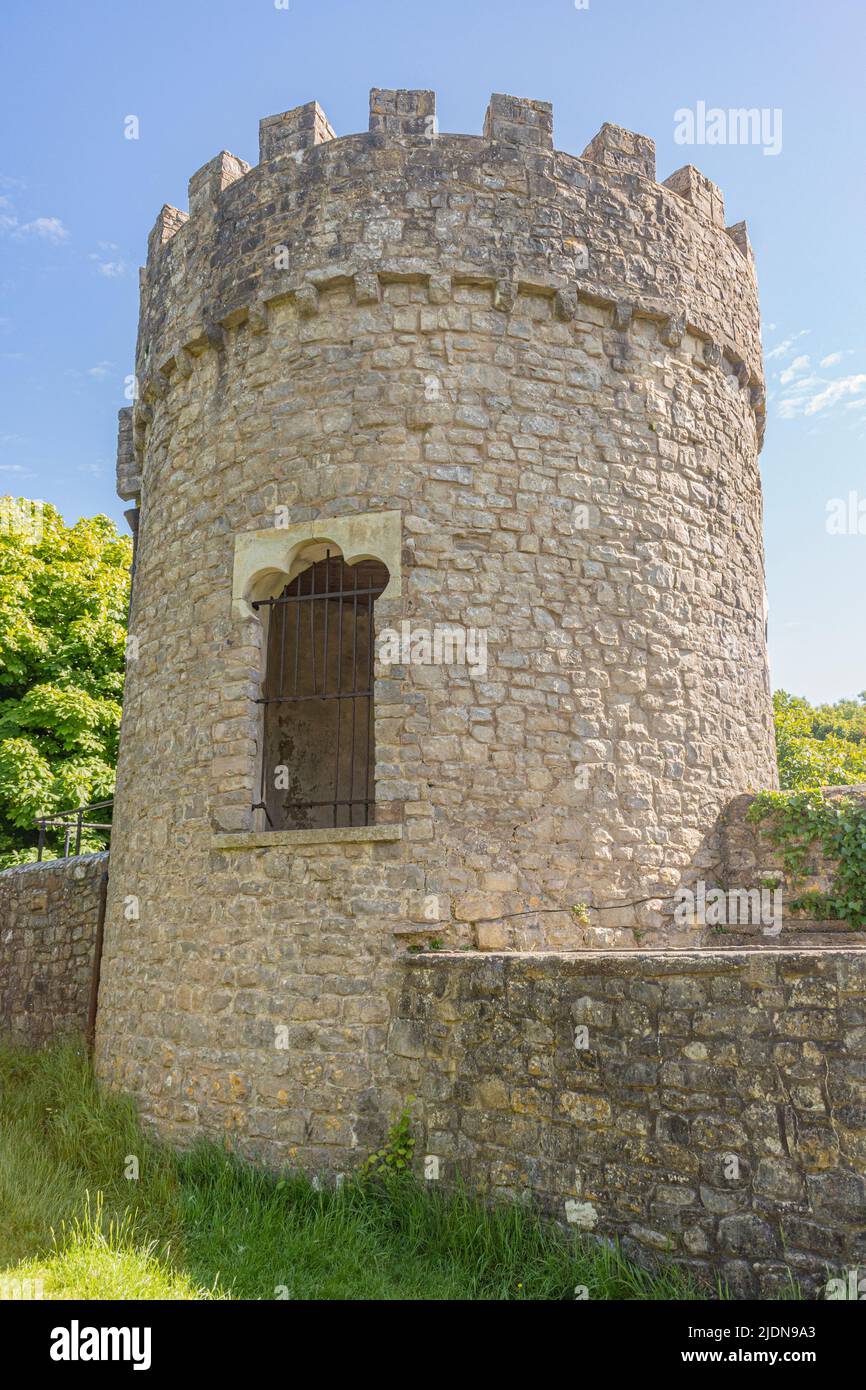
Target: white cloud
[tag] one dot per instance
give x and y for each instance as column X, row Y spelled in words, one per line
column 786, row 346
column 812, row 395
column 798, row 365
column 804, row 391
column 47, row 228
column 796, row 397
column 836, row 391
column 107, row 263
column 100, row 371
column 50, row 229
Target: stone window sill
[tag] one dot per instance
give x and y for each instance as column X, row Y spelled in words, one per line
column 285, row 839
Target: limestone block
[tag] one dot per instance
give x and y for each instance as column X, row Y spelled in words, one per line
column 519, row 121
column 403, row 112
column 293, row 131
column 704, row 195
column 208, row 182
column 623, row 151
column 128, row 471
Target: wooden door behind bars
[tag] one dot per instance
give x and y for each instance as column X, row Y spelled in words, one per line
column 318, row 765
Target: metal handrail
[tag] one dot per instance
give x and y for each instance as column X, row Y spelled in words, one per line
column 72, row 821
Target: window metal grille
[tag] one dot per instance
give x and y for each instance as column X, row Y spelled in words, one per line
column 317, row 762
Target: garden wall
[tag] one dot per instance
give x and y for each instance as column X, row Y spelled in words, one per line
column 703, row 1105
column 48, row 916
column 706, row 1106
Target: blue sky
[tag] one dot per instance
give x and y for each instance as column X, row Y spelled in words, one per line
column 78, row 200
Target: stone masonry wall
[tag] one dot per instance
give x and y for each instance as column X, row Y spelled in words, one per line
column 48, row 916
column 703, row 1106
column 714, row 1111
column 550, row 368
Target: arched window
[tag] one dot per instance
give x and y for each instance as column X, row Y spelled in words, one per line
column 318, row 753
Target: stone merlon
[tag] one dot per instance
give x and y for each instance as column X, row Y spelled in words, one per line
column 706, row 197
column 293, row 131
column 208, row 182
column 518, row 121
column 623, row 150
column 403, row 112
column 128, row 475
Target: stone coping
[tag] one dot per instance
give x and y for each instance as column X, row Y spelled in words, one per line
column 64, row 861
column 673, row 955
column 285, row 839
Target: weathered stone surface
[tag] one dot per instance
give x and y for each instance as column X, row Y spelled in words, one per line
column 167, row 223
column 48, row 916
column 292, row 132
column 519, row 121
column 588, row 1081
column 403, row 112
column 622, row 150
column 393, row 323
column 128, row 471
column 211, row 179
column 705, row 196
column 748, row 858
column 724, row 1165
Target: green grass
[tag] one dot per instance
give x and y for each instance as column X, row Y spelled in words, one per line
column 204, row 1225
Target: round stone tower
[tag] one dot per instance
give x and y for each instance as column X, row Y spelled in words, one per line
column 514, row 399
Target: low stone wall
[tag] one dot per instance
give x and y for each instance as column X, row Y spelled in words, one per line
column 48, row 916
column 708, row 1107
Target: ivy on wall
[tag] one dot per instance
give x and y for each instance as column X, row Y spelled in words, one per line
column 800, row 819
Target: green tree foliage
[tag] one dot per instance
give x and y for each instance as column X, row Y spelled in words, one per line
column 823, row 746
column 63, row 604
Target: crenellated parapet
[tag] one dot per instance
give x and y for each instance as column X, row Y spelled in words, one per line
column 403, row 200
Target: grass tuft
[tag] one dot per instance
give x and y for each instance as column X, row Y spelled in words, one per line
column 203, row 1224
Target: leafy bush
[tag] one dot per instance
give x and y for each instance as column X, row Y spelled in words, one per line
column 839, row 826
column 64, row 593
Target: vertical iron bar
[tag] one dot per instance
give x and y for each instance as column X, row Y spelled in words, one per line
column 41, row 838
column 276, row 715
column 313, row 627
column 66, row 841
column 78, row 830
column 354, row 688
column 339, row 703
column 265, row 687
column 369, row 707
column 280, row 690
column 297, row 640
column 325, row 645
